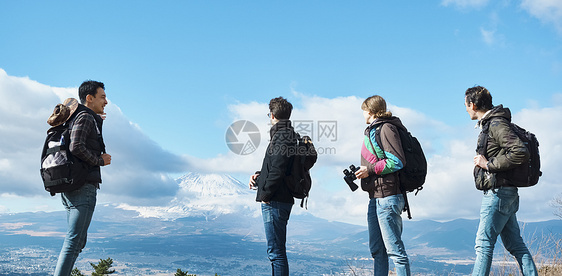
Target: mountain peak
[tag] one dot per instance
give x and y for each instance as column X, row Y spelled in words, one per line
column 208, row 195
column 210, row 185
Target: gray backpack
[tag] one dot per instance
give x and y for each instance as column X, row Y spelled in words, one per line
column 60, row 170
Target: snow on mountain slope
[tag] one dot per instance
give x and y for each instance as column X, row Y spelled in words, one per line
column 207, row 195
column 211, row 185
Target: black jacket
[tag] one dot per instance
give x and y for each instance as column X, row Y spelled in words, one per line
column 271, row 182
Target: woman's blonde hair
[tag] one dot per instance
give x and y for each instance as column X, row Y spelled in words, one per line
column 376, row 105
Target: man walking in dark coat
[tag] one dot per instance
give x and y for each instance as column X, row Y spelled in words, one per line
column 499, row 150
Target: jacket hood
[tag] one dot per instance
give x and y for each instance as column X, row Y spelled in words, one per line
column 393, row 120
column 497, row 111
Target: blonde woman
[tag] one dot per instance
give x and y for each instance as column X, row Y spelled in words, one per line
column 381, row 158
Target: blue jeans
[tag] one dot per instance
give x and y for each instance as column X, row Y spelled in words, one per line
column 275, row 218
column 79, row 207
column 385, row 234
column 497, row 217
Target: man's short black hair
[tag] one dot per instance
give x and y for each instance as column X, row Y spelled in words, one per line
column 89, row 87
column 480, row 97
column 280, row 108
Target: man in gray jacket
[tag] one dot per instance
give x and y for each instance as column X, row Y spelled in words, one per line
column 499, row 150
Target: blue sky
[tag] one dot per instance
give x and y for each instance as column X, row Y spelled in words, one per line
column 178, row 73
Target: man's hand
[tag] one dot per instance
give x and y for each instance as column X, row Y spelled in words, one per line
column 481, row 161
column 253, row 184
column 106, row 159
column 362, row 172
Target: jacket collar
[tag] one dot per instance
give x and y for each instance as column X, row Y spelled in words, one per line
column 378, row 121
column 282, row 124
column 496, row 111
column 479, row 123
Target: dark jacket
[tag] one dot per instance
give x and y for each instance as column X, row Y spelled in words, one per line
column 382, row 165
column 503, row 148
column 86, row 141
column 271, row 182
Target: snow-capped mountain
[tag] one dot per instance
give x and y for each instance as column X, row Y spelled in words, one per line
column 207, row 195
column 213, row 224
column 211, row 185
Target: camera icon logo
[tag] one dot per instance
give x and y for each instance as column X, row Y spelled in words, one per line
column 243, row 137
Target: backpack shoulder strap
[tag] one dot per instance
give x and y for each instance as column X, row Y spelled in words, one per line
column 378, row 130
column 482, row 146
column 71, row 121
column 302, row 156
column 98, row 131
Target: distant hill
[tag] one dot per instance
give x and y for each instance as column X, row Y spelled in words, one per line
column 214, row 225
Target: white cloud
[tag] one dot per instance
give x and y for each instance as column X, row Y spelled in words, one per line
column 449, row 192
column 345, row 112
column 330, row 198
column 488, row 36
column 548, row 11
column 139, row 167
column 139, row 172
column 465, row 3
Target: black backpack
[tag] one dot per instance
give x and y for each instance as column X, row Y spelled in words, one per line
column 297, row 176
column 412, row 176
column 526, row 174
column 60, row 170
